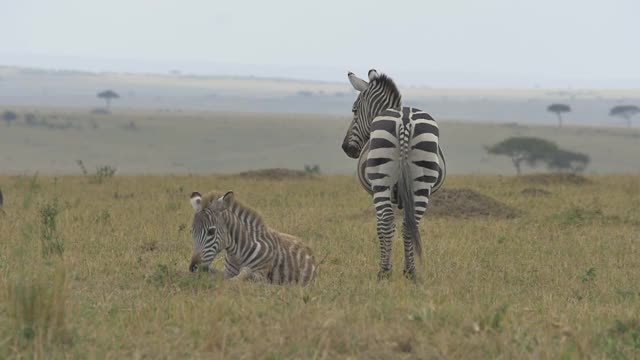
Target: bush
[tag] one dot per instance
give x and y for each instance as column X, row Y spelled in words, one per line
column 102, row 172
column 51, row 241
column 563, row 160
column 315, row 169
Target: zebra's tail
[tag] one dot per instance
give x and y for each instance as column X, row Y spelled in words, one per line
column 405, row 193
column 442, row 174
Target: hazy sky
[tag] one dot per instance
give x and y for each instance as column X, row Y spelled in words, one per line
column 442, row 43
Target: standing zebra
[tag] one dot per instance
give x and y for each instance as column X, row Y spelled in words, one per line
column 253, row 250
column 402, row 167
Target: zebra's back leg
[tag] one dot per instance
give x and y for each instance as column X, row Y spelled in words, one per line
column 409, row 263
column 386, row 228
column 420, row 201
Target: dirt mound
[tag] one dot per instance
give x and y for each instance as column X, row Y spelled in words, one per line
column 535, row 192
column 277, row 174
column 466, row 203
column 457, row 203
column 553, row 179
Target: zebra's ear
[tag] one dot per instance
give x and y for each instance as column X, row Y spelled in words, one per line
column 356, row 82
column 372, row 74
column 225, row 202
column 196, row 201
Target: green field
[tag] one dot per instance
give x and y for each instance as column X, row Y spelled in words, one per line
column 96, row 267
column 202, row 142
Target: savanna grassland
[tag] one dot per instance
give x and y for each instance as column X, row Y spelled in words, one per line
column 143, row 142
column 96, row 267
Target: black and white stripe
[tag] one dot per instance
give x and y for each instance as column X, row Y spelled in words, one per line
column 252, row 250
column 399, row 162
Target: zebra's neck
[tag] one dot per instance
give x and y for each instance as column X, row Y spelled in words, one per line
column 243, row 227
column 375, row 106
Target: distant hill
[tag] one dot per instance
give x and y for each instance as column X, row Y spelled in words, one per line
column 175, row 90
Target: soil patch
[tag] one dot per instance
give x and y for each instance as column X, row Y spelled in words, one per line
column 276, row 174
column 459, row 203
column 553, row 179
column 467, row 203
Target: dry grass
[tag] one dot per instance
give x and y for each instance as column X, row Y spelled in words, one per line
column 558, row 281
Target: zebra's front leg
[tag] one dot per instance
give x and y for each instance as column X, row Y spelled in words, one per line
column 386, row 229
column 244, row 274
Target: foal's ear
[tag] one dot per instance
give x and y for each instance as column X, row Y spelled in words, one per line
column 225, row 201
column 356, row 82
column 196, row 201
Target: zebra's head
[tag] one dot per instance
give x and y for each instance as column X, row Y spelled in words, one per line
column 375, row 96
column 208, row 231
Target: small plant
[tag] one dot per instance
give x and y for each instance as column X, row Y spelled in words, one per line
column 576, row 216
column 495, row 320
column 36, row 309
column 103, row 217
column 82, row 167
column 161, row 276
column 33, row 187
column 589, row 275
column 51, row 241
column 498, row 317
column 621, row 339
column 105, row 171
column 102, row 172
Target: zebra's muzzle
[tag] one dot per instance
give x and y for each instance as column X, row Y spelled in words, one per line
column 350, row 150
column 195, row 261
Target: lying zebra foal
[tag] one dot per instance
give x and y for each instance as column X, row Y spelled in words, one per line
column 253, row 250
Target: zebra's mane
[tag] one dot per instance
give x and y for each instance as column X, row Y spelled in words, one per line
column 390, row 87
column 236, row 207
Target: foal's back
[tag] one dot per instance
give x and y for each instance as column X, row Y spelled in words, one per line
column 292, row 261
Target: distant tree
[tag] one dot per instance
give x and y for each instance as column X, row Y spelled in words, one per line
column 9, row 116
column 31, row 120
column 304, row 93
column 625, row 111
column 108, row 95
column 567, row 160
column 528, row 150
column 559, row 109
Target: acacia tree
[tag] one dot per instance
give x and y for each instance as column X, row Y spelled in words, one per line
column 559, row 109
column 9, row 116
column 625, row 111
column 562, row 160
column 528, row 150
column 108, row 95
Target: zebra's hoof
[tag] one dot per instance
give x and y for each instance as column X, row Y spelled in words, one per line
column 384, row 275
column 410, row 275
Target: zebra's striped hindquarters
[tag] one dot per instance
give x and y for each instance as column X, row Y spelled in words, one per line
column 293, row 262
